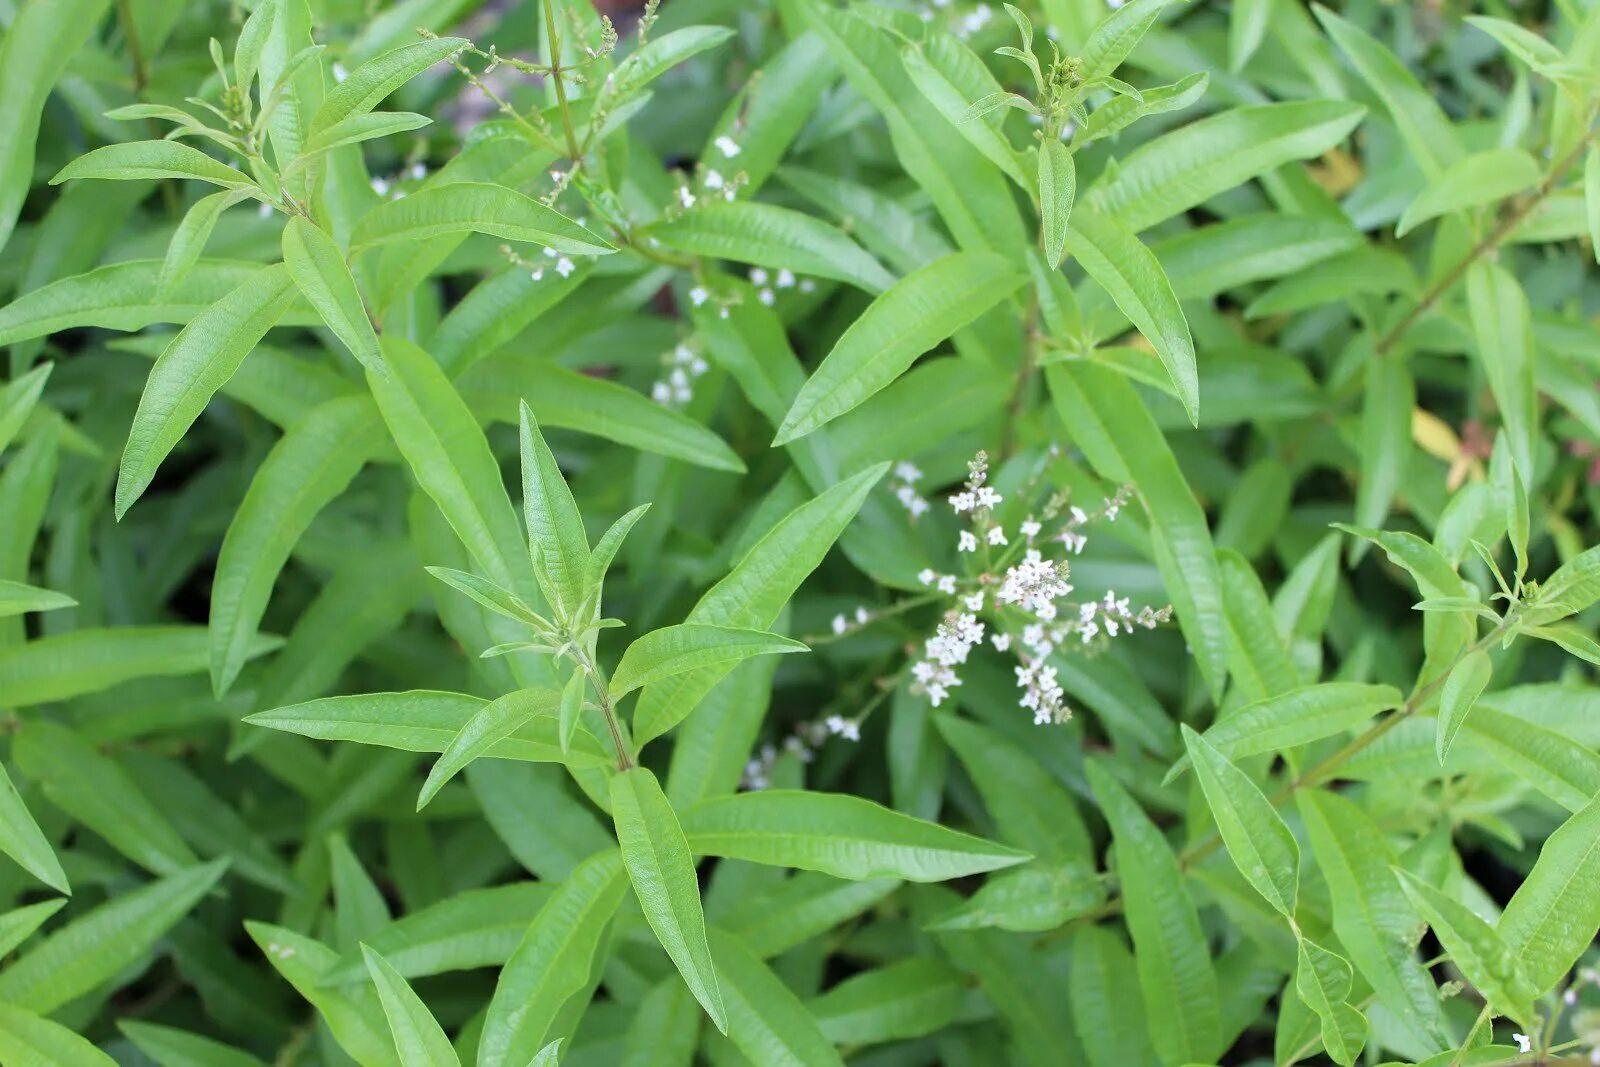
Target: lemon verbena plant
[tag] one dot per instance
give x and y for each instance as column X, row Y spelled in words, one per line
column 799, row 532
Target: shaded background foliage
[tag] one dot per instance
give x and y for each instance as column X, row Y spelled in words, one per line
column 1359, row 361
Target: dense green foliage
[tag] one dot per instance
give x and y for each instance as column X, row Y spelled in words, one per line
column 789, row 532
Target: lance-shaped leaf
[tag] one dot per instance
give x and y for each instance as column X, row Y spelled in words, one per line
column 555, row 529
column 838, row 834
column 766, row 1021
column 19, row 599
column 1174, row 965
column 951, row 78
column 28, row 1038
column 1481, row 178
column 1462, row 688
column 489, row 595
column 352, row 1013
column 468, row 207
column 1258, row 841
column 1058, row 185
column 470, row 929
column 198, row 362
column 1030, row 807
column 19, row 924
column 367, row 86
column 99, row 945
column 897, row 1002
column 1323, row 980
column 747, row 231
column 1132, row 276
column 1475, row 948
column 63, row 666
column 1032, row 898
column 319, row 269
column 489, row 725
column 661, row 868
column 425, row 721
column 1502, row 327
column 450, row 459
column 23, row 841
column 675, row 649
column 1567, row 773
column 1110, row 423
column 1115, row 36
column 17, row 401
column 552, row 962
column 353, row 129
column 913, row 316
column 1554, row 915
column 189, row 239
column 310, row 466
column 661, row 54
column 755, row 591
column 172, row 1047
column 1573, row 587
column 418, row 1038
column 152, row 159
column 1103, row 983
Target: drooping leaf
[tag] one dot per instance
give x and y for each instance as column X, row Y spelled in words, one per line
column 488, row 727
column 1461, row 690
column 1258, row 841
column 1324, row 980
column 1475, row 947
column 23, row 841
column 1553, row 916
column 319, row 269
column 673, row 650
column 766, row 235
column 63, row 666
column 367, row 85
column 555, row 529
column 418, row 1037
column 1058, row 185
column 467, row 207
column 152, row 159
column 28, row 1038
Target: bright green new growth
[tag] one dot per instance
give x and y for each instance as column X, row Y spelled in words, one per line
column 507, row 390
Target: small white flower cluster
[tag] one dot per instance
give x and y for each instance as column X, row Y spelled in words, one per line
column 1030, row 585
column 712, row 181
column 683, row 365
column 563, row 265
column 768, row 283
column 904, row 484
column 803, row 744
column 843, row 624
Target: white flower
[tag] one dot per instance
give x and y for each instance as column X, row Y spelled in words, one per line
column 1029, row 529
column 758, row 276
column 698, row 295
column 974, row 601
column 907, row 472
column 840, row 625
column 986, row 496
column 1570, row 997
column 1074, row 541
column 380, row 186
column 264, row 209
column 713, row 180
column 926, row 576
column 807, row 285
column 917, row 506
column 661, row 392
column 767, row 297
column 1079, row 516
column 550, row 253
column 966, row 542
column 722, row 312
column 565, row 267
column 537, row 274
column 1524, row 1043
column 863, row 615
column 962, row 501
column 418, row 171
column 997, row 535
column 785, row 278
column 1001, row 642
column 685, row 197
column 698, row 366
column 840, row 726
column 947, row 583
column 339, row 73
column 727, row 146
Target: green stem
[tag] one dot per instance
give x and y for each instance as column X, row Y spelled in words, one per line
column 555, row 74
column 130, row 31
column 608, row 708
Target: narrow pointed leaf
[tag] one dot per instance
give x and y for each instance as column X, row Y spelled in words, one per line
column 673, row 650
column 319, row 269
column 418, row 1037
column 467, row 207
column 1258, row 841
column 489, row 725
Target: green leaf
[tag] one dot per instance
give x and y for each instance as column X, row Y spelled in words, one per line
column 1104, row 984
column 318, row 268
column 1323, row 980
column 189, row 239
column 1258, row 841
column 1501, row 325
column 417, row 1035
column 450, row 459
column 1535, row 51
column 152, row 159
column 468, row 207
column 19, row 924
column 673, row 650
column 755, row 591
column 353, row 129
column 309, row 467
column 424, row 721
column 1029, row 899
column 662, row 871
column 1574, row 586
column 19, row 599
column 23, row 841
column 661, row 54
column 1567, row 773
column 1481, row 178
column 1414, row 110
column 555, row 529
column 913, row 316
column 488, row 727
column 1554, row 915
column 1179, row 170
column 572, row 705
column 1120, row 112
column 172, row 1047
column 1030, row 807
column 1174, row 964
column 63, row 666
column 552, row 963
column 799, row 908
column 1461, row 690
column 605, row 549
column 17, row 401
column 898, row 1002
column 367, row 86
column 40, row 42
column 93, row 789
column 1259, row 658
column 766, row 235
column 198, row 362
column 489, row 595
column 1058, row 184
column 122, row 296
column 100, row 945
column 352, row 1014
column 1247, row 28
column 1389, row 396
column 1475, row 948
column 29, row 1039
column 1106, row 418
column 838, row 834
column 470, row 929
column 1371, row 916
column 1299, row 717
column 960, row 87
column 766, row 1021
column 1591, row 197
column 1116, row 35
